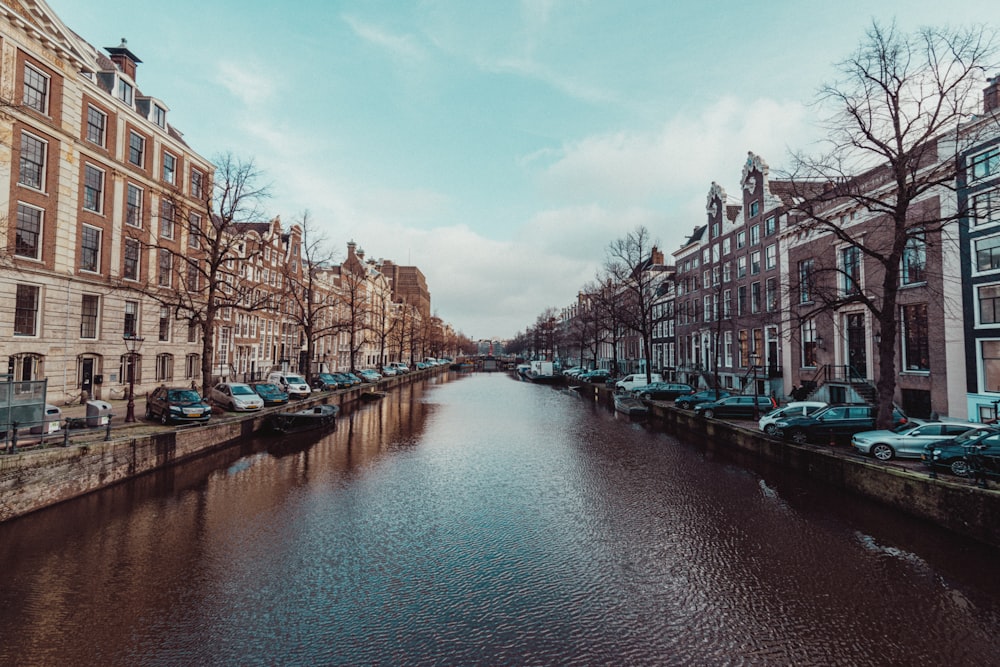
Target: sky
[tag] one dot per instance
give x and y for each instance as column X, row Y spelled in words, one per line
column 500, row 146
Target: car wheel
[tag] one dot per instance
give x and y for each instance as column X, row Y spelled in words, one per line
column 799, row 437
column 883, row 452
column 960, row 467
column 647, row 396
column 164, row 418
column 232, row 406
column 709, row 413
column 771, row 430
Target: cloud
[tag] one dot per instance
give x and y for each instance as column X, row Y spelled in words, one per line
column 246, row 81
column 402, row 47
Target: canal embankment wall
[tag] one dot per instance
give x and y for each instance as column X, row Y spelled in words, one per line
column 35, row 479
column 951, row 502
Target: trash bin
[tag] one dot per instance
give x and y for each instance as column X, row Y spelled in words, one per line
column 98, row 413
column 50, row 422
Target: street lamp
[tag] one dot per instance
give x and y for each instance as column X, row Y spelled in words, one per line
column 132, row 344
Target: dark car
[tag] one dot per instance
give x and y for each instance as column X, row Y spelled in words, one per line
column 688, row 401
column 176, row 404
column 353, row 379
column 736, row 407
column 954, row 454
column 326, row 382
column 663, row 391
column 599, row 375
column 271, row 393
column 836, row 422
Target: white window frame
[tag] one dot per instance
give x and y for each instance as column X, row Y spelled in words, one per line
column 985, row 202
column 98, row 202
column 138, row 259
column 43, row 95
column 979, row 306
column 169, row 175
column 96, row 268
column 103, row 129
column 141, row 149
column 976, row 271
column 770, row 256
column 96, row 315
column 43, row 165
column 136, row 220
column 40, row 240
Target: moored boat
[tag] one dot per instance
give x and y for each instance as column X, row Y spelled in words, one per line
column 318, row 416
column 630, row 405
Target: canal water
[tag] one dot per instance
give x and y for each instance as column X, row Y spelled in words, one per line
column 480, row 520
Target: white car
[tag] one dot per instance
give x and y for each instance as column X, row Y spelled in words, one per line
column 290, row 383
column 908, row 440
column 236, row 396
column 794, row 409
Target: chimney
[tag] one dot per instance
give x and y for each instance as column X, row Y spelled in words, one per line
column 123, row 58
column 656, row 256
column 991, row 95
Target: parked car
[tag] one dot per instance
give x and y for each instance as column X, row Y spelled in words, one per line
column 369, row 375
column 271, row 394
column 325, row 382
column 735, row 407
column 177, row 404
column 292, row 384
column 951, row 454
column 636, row 380
column 599, row 375
column 400, row 367
column 574, row 371
column 663, row 391
column 793, row 409
column 421, row 365
column 909, row 439
column 389, row 371
column 353, row 379
column 833, row 422
column 235, row 396
column 688, row 401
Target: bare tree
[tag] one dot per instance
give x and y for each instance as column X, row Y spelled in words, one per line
column 895, row 131
column 636, row 273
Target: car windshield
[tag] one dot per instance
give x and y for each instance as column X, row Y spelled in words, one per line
column 969, row 435
column 266, row 389
column 183, row 396
column 294, row 378
column 241, row 390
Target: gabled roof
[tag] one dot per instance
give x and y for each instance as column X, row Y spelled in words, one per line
column 37, row 19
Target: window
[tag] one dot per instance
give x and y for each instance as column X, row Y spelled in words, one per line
column 164, row 323
column 916, row 347
column 741, row 299
column 97, row 126
column 985, row 164
column 755, row 262
column 755, row 235
column 715, row 230
column 88, row 316
column 26, row 310
column 990, row 352
column 988, row 254
column 169, row 168
column 36, row 89
column 914, row 260
column 133, row 206
column 706, row 255
column 27, row 239
column 193, row 333
column 754, row 209
column 93, row 188
column 164, row 367
column 741, row 239
column 770, row 256
column 741, row 267
column 192, row 366
column 90, row 249
column 137, row 149
column 986, row 208
column 727, row 272
column 166, row 219
column 131, row 325
column 805, row 278
column 755, row 298
column 197, row 183
column 770, row 226
column 32, row 166
column 192, row 278
column 130, row 267
column 989, row 304
column 850, row 268
column 125, row 91
column 194, row 230
column 159, row 115
column 771, row 294
column 727, row 349
column 727, row 304
column 809, row 347
column 164, row 267
column 726, row 245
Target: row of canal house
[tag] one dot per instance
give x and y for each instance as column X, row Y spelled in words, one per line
column 104, row 200
column 741, row 311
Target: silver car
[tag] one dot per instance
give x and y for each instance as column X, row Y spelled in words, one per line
column 236, row 396
column 908, row 440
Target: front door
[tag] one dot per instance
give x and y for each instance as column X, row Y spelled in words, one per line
column 87, row 376
column 857, row 344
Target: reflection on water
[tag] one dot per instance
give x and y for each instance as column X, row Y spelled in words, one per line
column 480, row 520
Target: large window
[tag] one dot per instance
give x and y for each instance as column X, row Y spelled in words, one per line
column 755, row 262
column 985, row 164
column 93, row 188
column 28, row 236
column 32, row 166
column 133, row 206
column 741, row 267
column 130, row 267
column 771, row 294
column 166, row 219
column 755, row 298
column 164, row 367
column 809, row 346
column 991, row 365
column 164, row 267
column 770, row 256
column 986, row 208
column 988, row 254
column 125, row 91
column 197, row 184
column 36, row 89
column 89, row 307
column 26, row 310
column 850, row 269
column 754, row 232
column 136, row 149
column 97, row 126
column 916, row 352
column 90, row 249
column 989, row 304
column 193, row 276
column 159, row 115
column 770, row 226
column 164, row 323
column 131, row 324
column 192, row 366
column 169, row 168
column 914, row 260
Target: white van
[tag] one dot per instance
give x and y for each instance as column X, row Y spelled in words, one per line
column 290, row 383
column 636, row 380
